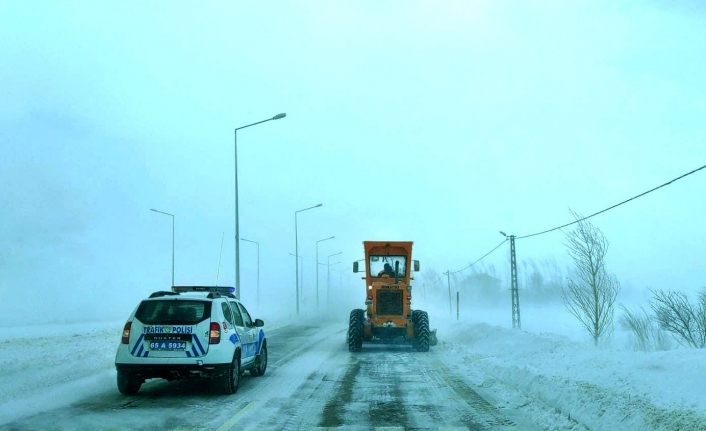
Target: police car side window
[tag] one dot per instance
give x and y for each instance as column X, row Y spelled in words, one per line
column 246, row 316
column 236, row 314
column 226, row 312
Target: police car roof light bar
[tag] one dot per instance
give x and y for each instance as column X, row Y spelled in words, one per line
column 210, row 289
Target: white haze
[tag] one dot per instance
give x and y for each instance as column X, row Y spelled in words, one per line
column 437, row 123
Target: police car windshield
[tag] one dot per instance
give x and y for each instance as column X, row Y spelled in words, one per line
column 170, row 312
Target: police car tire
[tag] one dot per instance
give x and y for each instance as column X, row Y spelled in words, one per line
column 261, row 366
column 128, row 384
column 230, row 380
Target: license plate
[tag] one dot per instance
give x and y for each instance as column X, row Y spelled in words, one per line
column 168, row 345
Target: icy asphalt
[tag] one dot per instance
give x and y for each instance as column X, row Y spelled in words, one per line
column 313, row 382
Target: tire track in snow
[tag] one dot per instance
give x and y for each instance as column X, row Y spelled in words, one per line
column 303, row 407
column 482, row 414
column 389, row 407
column 333, row 410
column 394, row 387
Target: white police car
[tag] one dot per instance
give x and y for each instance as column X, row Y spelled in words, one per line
column 192, row 331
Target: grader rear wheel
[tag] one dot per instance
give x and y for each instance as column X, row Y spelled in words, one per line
column 422, row 336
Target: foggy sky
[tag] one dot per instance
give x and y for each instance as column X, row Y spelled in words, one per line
column 439, row 123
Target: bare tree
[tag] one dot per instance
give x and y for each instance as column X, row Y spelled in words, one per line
column 591, row 293
column 648, row 334
column 677, row 315
column 431, row 284
column 640, row 325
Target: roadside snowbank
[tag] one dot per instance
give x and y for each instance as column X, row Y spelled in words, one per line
column 599, row 387
column 49, row 366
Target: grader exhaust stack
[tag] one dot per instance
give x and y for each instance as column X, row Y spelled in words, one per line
column 388, row 297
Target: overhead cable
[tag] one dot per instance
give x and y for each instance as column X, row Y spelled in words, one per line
column 614, row 206
column 480, row 258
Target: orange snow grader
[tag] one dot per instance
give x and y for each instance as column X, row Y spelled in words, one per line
column 389, row 316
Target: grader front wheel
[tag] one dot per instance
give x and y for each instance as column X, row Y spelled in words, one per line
column 355, row 330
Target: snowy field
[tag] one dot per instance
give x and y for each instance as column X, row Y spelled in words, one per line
column 600, row 388
column 609, row 387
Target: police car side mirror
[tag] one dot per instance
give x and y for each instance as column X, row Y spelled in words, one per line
column 416, row 266
column 259, row 323
column 355, row 266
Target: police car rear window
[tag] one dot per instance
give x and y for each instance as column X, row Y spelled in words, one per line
column 173, row 312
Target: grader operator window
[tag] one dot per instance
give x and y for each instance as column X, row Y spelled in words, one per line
column 388, row 266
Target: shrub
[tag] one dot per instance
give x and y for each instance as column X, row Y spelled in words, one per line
column 677, row 315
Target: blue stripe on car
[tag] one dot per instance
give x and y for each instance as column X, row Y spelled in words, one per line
column 198, row 344
column 188, row 354
column 137, row 344
column 139, row 352
column 260, row 338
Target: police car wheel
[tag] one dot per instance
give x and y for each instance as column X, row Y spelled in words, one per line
column 230, row 381
column 128, row 384
column 259, row 369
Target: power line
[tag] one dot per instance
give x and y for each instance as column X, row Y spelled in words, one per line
column 580, row 220
column 480, row 258
column 614, row 206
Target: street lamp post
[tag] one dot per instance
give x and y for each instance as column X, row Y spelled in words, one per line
column 300, row 259
column 172, row 216
column 317, row 268
column 328, row 273
column 296, row 247
column 237, row 232
column 258, row 267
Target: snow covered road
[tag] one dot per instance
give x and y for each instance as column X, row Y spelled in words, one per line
column 313, row 382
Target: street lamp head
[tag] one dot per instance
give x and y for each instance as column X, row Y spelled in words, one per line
column 503, row 233
column 278, row 116
column 307, row 209
column 162, row 212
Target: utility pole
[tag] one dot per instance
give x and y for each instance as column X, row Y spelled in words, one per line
column 514, row 292
column 513, row 289
column 457, row 301
column 448, row 281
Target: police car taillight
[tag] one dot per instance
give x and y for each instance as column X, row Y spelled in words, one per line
column 214, row 336
column 126, row 333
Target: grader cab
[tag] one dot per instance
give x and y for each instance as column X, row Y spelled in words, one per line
column 389, row 317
